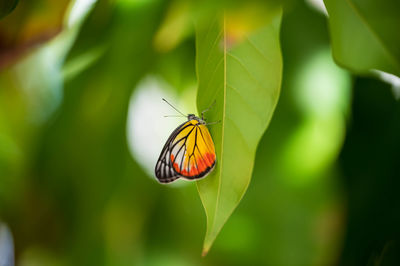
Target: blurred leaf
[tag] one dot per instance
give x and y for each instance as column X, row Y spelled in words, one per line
column 6, row 7
column 314, row 144
column 31, row 23
column 77, row 65
column 174, row 27
column 365, row 34
column 80, row 155
column 84, row 155
column 177, row 67
column 239, row 65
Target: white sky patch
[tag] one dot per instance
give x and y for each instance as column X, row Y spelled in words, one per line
column 392, row 80
column 318, row 5
column 147, row 128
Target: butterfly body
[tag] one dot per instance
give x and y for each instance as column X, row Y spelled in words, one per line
column 189, row 152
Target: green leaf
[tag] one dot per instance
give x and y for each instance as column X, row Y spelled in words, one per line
column 365, row 34
column 239, row 65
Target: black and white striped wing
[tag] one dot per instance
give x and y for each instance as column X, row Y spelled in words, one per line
column 164, row 171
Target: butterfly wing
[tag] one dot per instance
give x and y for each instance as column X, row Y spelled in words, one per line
column 193, row 152
column 164, row 171
column 188, row 153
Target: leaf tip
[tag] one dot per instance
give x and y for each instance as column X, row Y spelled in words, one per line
column 206, row 247
column 205, row 251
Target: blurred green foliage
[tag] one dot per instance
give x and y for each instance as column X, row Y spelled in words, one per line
column 373, row 28
column 325, row 182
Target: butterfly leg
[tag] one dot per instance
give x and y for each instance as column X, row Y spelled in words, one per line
column 213, row 123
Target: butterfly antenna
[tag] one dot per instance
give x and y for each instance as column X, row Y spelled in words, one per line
column 173, row 116
column 174, row 107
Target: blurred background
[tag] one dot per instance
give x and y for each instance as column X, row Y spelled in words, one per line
column 81, row 125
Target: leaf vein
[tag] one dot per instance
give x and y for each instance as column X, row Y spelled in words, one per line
column 258, row 49
column 236, row 126
column 246, row 102
column 258, row 84
column 213, row 74
column 211, row 50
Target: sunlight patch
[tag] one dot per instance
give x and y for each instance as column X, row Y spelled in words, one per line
column 147, row 128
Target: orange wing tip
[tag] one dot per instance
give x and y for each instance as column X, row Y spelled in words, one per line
column 211, row 157
column 184, row 172
column 193, row 170
column 201, row 164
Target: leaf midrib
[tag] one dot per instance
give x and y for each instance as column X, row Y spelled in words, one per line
column 223, row 131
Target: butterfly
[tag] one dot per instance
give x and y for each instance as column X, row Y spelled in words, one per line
column 189, row 152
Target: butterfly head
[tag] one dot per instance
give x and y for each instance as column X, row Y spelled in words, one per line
column 193, row 117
